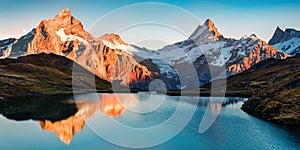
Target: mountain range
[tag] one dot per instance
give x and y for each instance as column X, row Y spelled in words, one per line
column 110, row 58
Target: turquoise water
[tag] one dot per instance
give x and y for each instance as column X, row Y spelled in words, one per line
column 232, row 129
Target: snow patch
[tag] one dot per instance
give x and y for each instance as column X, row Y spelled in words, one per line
column 226, row 53
column 198, row 31
column 163, row 66
column 7, row 51
column 289, row 46
column 189, row 53
column 63, row 37
column 127, row 48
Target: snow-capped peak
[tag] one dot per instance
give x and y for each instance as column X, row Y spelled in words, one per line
column 286, row 41
column 253, row 36
column 244, row 37
column 278, row 28
column 114, row 41
column 113, row 38
column 278, row 35
column 210, row 24
column 64, row 13
column 199, row 30
column 206, row 31
column 281, row 35
column 213, row 29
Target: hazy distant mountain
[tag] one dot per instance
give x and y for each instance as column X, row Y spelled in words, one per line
column 287, row 41
column 112, row 59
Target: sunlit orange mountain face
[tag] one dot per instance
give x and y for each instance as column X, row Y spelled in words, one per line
column 114, row 60
column 111, row 106
column 66, row 36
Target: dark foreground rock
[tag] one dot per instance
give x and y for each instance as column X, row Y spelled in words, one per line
column 273, row 89
column 52, row 108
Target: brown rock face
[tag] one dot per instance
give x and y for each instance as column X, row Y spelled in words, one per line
column 112, row 63
column 260, row 52
column 104, row 56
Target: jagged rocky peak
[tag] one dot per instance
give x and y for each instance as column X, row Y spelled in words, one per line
column 279, row 30
column 244, row 37
column 287, row 41
column 65, row 22
column 253, row 36
column 7, row 42
column 62, row 35
column 63, row 14
column 113, row 38
column 211, row 26
column 291, row 33
column 277, row 37
column 209, row 23
column 207, row 31
column 6, row 46
column 281, row 35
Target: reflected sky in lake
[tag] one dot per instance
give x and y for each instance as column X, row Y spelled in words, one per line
column 232, row 129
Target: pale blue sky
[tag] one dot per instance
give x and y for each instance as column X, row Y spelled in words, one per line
column 234, row 18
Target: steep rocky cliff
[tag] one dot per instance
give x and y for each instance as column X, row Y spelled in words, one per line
column 108, row 56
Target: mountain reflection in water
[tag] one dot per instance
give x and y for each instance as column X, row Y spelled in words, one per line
column 109, row 104
column 85, row 106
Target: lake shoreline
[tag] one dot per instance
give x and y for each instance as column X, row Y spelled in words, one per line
column 201, row 93
column 169, row 93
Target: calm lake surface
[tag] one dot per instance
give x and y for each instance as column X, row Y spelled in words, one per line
column 232, row 128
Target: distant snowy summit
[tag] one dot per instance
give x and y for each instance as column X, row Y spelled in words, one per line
column 287, row 41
